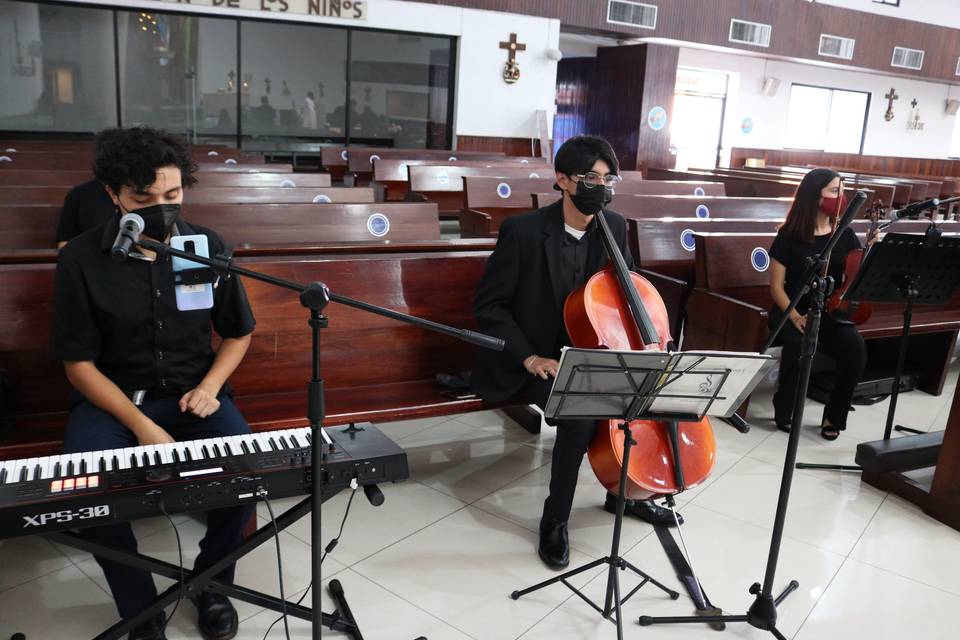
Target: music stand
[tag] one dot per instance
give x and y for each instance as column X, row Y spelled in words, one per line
column 633, row 385
column 903, row 268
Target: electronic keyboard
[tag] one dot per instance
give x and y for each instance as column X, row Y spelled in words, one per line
column 72, row 491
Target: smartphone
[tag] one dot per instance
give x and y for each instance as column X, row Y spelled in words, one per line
column 195, row 296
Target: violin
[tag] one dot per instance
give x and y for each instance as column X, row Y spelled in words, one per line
column 620, row 310
column 855, row 312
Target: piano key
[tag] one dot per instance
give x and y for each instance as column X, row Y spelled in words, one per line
column 22, row 472
column 166, row 454
column 88, row 466
column 3, row 475
column 101, row 464
column 195, row 453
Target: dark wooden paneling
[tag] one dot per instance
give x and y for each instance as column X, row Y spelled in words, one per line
column 892, row 165
column 797, row 25
column 507, row 146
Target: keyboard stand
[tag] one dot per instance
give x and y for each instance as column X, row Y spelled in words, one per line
column 194, row 583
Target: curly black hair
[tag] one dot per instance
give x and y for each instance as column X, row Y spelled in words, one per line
column 132, row 156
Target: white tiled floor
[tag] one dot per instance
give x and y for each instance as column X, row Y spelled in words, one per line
column 441, row 556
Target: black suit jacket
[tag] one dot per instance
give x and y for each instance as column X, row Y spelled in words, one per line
column 519, row 300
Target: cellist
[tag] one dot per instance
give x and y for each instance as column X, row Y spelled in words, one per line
column 540, row 257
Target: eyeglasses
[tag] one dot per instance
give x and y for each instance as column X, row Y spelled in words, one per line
column 594, row 179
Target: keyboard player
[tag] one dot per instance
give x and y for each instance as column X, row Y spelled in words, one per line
column 145, row 373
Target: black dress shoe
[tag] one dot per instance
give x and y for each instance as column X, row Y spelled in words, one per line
column 554, row 548
column 152, row 629
column 645, row 510
column 217, row 618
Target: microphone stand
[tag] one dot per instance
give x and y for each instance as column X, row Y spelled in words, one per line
column 763, row 612
column 315, row 297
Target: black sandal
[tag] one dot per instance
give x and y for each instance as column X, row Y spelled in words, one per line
column 783, row 426
column 829, row 432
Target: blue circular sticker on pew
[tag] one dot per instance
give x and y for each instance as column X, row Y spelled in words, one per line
column 504, row 190
column 746, row 125
column 344, row 154
column 378, row 225
column 657, row 118
column 6, row 159
column 442, row 177
column 229, row 161
column 699, row 192
column 322, row 199
column 687, row 241
column 759, row 259
column 374, row 157
column 452, row 159
column 534, row 175
column 10, row 150
column 703, row 212
column 287, row 183
column 524, row 162
column 212, row 153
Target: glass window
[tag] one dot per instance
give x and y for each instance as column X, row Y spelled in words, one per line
column 399, row 89
column 826, row 119
column 294, row 80
column 178, row 72
column 56, row 68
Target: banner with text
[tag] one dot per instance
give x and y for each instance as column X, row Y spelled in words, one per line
column 349, row 9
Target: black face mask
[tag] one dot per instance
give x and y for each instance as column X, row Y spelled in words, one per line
column 590, row 200
column 158, row 219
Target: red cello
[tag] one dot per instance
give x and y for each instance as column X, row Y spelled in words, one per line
column 618, row 309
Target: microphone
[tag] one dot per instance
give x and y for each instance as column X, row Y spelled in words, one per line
column 131, row 226
column 912, row 209
column 482, row 340
column 852, row 209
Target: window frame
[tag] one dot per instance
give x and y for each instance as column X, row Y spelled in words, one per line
column 238, row 20
column 866, row 114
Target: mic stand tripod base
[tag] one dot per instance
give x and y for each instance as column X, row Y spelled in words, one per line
column 612, row 603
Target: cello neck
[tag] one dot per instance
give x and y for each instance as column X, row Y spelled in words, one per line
column 644, row 325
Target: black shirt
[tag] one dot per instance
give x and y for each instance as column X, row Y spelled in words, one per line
column 793, row 254
column 124, row 317
column 86, row 206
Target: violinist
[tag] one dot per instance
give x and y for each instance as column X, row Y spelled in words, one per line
column 818, row 203
column 539, row 259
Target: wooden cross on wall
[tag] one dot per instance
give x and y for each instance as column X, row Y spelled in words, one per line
column 511, row 71
column 888, row 116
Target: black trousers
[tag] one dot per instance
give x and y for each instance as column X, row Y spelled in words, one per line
column 841, row 341
column 92, row 429
column 573, row 440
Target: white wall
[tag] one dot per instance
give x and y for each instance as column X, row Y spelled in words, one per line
column 769, row 114
column 945, row 13
column 484, row 104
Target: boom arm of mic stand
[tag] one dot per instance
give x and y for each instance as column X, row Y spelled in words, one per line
column 224, row 267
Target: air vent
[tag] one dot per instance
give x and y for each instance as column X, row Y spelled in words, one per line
column 632, row 14
column 836, row 47
column 907, row 58
column 754, row 33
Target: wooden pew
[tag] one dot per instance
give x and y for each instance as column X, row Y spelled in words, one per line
column 209, row 195
column 65, row 161
column 728, row 310
column 37, row 178
column 905, row 191
column 443, row 184
column 34, row 226
column 392, row 176
column 375, row 368
column 360, row 160
column 752, row 185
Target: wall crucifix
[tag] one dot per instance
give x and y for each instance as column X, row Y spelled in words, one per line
column 888, row 116
column 511, row 70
